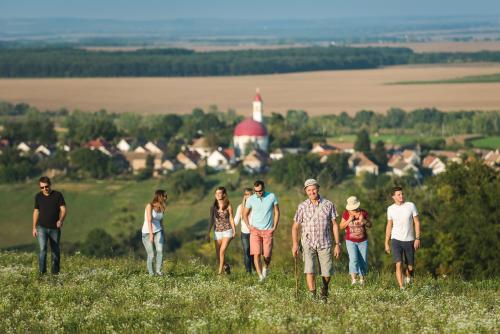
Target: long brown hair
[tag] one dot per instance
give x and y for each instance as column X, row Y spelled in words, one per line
column 159, row 199
column 226, row 203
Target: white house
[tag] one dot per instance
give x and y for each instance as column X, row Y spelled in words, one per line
column 360, row 163
column 153, row 148
column 124, row 145
column 402, row 168
column 218, row 160
column 255, row 161
column 200, row 145
column 434, row 163
column 43, row 150
column 189, row 159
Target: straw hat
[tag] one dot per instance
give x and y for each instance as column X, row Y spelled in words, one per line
column 310, row 182
column 352, row 203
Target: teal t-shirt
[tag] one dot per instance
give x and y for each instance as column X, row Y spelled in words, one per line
column 262, row 210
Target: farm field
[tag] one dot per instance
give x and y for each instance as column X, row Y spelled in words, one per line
column 386, row 138
column 487, row 143
column 115, row 295
column 316, row 92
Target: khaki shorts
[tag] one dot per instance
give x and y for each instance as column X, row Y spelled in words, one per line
column 324, row 257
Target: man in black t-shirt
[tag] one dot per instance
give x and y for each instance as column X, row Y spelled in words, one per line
column 48, row 218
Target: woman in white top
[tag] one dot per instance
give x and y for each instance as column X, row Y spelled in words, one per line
column 152, row 231
column 245, row 232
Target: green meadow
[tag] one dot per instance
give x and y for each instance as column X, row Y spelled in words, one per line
column 488, row 78
column 116, row 296
column 487, row 143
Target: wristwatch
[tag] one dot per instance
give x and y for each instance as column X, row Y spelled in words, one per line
column 417, row 238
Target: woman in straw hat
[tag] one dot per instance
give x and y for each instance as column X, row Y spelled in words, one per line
column 355, row 221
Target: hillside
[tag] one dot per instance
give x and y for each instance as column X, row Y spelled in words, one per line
column 115, row 295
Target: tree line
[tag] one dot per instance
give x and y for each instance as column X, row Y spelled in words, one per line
column 74, row 62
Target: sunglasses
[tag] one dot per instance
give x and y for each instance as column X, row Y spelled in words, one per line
column 259, row 191
column 44, row 187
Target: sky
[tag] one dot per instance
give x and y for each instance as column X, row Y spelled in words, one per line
column 253, row 9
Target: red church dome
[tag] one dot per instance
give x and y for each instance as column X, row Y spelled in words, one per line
column 252, row 128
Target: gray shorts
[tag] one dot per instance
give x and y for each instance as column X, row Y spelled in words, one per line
column 323, row 256
column 403, row 251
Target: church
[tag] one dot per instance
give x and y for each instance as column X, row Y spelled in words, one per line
column 251, row 133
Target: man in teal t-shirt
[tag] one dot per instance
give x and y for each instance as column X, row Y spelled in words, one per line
column 265, row 219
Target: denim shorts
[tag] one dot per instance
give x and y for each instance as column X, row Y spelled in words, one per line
column 223, row 234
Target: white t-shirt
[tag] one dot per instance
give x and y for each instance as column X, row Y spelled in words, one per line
column 156, row 218
column 238, row 217
column 402, row 221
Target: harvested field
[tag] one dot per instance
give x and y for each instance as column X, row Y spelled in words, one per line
column 316, row 92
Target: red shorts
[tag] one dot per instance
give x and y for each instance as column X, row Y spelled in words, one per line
column 261, row 242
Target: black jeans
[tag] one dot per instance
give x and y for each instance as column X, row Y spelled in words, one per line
column 247, row 258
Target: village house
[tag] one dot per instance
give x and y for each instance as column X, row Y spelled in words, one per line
column 189, row 159
column 124, row 145
column 221, row 159
column 100, row 145
column 138, row 161
column 344, row 147
column 360, row 163
column 434, row 163
column 255, row 161
column 402, row 168
column 492, row 159
column 43, row 151
column 201, row 147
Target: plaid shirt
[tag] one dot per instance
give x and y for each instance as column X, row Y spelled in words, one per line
column 316, row 222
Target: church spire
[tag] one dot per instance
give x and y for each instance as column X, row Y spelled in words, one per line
column 257, row 107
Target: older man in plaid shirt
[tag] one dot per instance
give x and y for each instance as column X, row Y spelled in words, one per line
column 315, row 217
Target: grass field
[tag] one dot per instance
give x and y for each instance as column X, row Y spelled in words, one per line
column 387, row 139
column 487, row 143
column 490, row 78
column 115, row 295
column 118, row 206
column 316, row 92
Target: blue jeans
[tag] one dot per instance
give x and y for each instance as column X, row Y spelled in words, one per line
column 46, row 236
column 158, row 240
column 247, row 258
column 358, row 257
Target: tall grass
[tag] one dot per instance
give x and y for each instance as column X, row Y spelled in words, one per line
column 116, row 295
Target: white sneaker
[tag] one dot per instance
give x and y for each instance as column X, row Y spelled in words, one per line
column 407, row 280
column 261, row 278
column 265, row 272
column 353, row 282
column 361, row 281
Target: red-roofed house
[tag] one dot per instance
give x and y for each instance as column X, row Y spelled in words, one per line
column 100, row 145
column 434, row 163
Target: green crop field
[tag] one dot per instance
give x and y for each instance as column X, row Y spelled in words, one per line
column 489, row 78
column 386, row 138
column 487, row 143
column 116, row 296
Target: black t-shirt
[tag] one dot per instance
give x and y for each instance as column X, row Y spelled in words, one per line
column 49, row 208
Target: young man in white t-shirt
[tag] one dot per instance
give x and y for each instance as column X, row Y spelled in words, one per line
column 403, row 232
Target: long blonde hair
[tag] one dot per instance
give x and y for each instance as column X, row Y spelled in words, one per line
column 158, row 200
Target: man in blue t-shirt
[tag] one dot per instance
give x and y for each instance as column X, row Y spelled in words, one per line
column 265, row 219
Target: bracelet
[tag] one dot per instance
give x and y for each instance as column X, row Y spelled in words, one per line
column 417, row 238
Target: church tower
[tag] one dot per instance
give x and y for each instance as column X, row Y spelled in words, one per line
column 257, row 107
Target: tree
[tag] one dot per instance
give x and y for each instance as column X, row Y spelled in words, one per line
column 460, row 217
column 89, row 163
column 380, row 155
column 362, row 143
